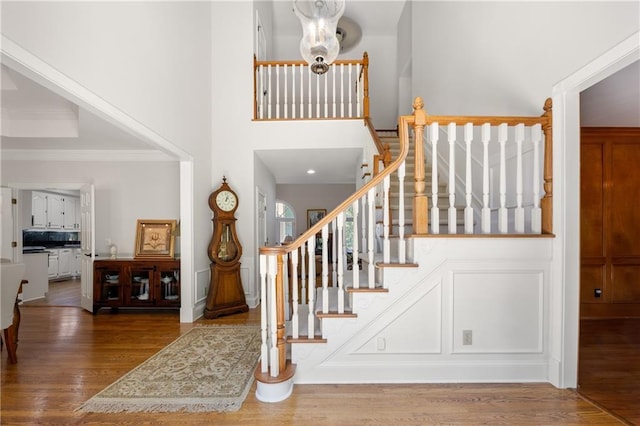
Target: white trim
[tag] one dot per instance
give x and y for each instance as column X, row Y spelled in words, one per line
column 565, row 294
column 187, row 275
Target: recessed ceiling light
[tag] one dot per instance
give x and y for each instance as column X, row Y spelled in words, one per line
column 310, row 171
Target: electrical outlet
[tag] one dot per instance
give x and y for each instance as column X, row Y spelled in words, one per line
column 467, row 337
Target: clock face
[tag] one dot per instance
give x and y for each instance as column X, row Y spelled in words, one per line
column 226, row 201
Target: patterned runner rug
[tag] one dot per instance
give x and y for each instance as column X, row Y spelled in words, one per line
column 209, row 368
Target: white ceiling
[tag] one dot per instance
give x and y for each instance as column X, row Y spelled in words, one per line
column 612, row 102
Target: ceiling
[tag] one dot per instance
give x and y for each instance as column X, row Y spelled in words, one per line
column 612, row 102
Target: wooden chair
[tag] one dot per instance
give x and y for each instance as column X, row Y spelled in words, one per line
column 11, row 280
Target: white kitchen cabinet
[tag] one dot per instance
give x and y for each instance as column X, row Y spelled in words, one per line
column 36, row 274
column 52, row 271
column 71, row 213
column 55, row 211
column 38, row 209
column 64, row 262
column 76, row 270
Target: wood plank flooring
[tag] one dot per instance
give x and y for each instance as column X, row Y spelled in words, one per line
column 67, row 355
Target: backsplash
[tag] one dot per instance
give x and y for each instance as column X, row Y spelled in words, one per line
column 49, row 238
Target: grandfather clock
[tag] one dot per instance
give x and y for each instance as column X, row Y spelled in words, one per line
column 226, row 295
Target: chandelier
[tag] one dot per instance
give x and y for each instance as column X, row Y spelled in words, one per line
column 319, row 18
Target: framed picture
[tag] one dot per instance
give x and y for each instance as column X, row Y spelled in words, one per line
column 314, row 216
column 155, row 238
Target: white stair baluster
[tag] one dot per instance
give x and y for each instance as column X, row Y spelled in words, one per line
column 310, row 103
column 468, row 210
column 519, row 212
column 293, row 91
column 503, row 219
column 486, row 211
column 325, row 79
column 386, row 244
column 286, row 283
column 342, row 90
column 269, row 92
column 285, row 70
column 303, row 275
column 294, row 294
column 371, row 223
column 536, row 212
column 277, row 91
column 402, row 244
column 350, row 109
column 333, row 73
column 260, row 93
column 311, row 252
column 337, row 238
column 273, row 318
column 363, row 223
column 264, row 347
column 358, row 92
column 435, row 209
column 325, row 269
column 452, row 179
column 354, row 250
column 302, row 91
column 318, row 115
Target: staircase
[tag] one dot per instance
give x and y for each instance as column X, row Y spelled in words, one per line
column 409, row 193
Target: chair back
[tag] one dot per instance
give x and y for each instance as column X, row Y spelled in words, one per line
column 11, row 275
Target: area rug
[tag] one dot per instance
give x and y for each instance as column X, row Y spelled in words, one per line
column 209, row 368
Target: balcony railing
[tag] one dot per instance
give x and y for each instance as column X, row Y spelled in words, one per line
column 288, row 90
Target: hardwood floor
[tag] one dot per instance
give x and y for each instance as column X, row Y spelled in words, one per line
column 61, row 293
column 67, row 355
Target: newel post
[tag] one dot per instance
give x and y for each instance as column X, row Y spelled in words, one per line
column 420, row 201
column 546, row 204
column 365, row 77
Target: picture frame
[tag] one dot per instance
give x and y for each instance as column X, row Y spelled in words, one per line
column 314, row 216
column 155, row 238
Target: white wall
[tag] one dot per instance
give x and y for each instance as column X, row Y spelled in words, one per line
column 123, row 193
column 502, row 58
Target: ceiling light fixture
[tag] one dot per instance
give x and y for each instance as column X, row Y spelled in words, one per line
column 310, row 171
column 319, row 18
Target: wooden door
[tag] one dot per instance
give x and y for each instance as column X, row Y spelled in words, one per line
column 610, row 222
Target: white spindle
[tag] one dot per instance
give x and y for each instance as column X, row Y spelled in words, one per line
column 435, row 211
column 325, row 80
column 311, row 254
column 452, row 179
column 386, row 244
column 402, row 248
column 371, row 198
column 273, row 319
column 269, row 92
column 363, row 224
column 334, row 253
column 350, row 79
column 337, row 237
column 333, row 73
column 286, row 284
column 294, row 294
column 503, row 219
column 293, row 91
column 303, row 275
column 536, row 212
column 325, row 269
column 358, row 92
column 264, row 348
column 277, row 91
column 355, row 249
column 260, row 93
column 486, row 212
column 342, row 90
column 468, row 210
column 286, row 90
column 317, row 96
column 519, row 212
column 301, row 91
column 310, row 103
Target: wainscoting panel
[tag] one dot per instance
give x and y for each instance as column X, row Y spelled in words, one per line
column 497, row 311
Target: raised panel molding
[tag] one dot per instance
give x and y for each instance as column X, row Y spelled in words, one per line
column 503, row 310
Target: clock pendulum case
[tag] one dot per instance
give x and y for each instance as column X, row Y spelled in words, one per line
column 226, row 295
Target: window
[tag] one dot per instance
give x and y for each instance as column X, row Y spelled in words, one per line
column 285, row 220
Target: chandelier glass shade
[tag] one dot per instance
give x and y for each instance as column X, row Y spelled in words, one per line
column 319, row 18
